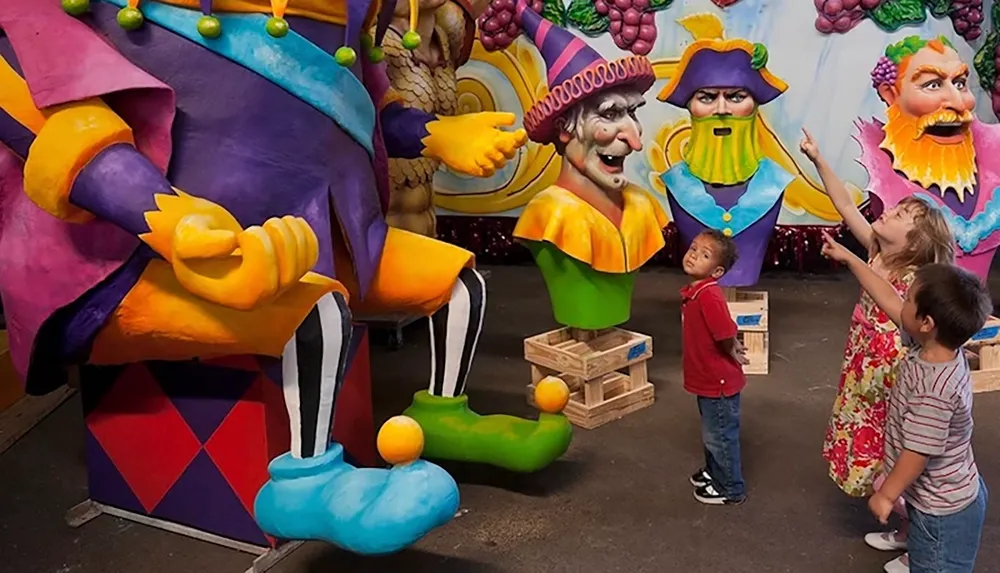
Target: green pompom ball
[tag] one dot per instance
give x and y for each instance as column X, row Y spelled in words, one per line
column 345, row 56
column 411, row 40
column 276, row 27
column 209, row 27
column 76, row 7
column 367, row 42
column 129, row 18
column 759, row 57
column 376, row 54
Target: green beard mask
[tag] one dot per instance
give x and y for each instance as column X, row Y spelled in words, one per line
column 723, row 159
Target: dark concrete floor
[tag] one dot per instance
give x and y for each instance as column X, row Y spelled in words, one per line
column 619, row 501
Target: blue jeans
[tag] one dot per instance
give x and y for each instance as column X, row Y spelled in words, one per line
column 720, row 433
column 948, row 543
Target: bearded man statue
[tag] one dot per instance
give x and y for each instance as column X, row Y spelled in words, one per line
column 933, row 147
column 591, row 231
column 725, row 182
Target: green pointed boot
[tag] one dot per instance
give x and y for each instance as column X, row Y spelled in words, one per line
column 452, row 431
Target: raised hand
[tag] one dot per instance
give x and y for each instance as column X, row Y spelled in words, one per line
column 834, row 250
column 473, row 143
column 808, row 146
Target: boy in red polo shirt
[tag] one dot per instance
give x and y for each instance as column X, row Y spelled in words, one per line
column 712, row 361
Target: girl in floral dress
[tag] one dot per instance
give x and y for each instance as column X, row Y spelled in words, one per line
column 909, row 235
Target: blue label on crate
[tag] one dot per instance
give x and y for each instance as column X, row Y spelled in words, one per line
column 637, row 351
column 988, row 332
column 748, row 319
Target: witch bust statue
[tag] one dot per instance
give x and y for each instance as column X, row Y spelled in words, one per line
column 725, row 182
column 591, row 231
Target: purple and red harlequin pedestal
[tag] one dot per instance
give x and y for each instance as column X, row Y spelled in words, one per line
column 188, row 443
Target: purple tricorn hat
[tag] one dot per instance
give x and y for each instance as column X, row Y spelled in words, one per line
column 722, row 64
column 575, row 72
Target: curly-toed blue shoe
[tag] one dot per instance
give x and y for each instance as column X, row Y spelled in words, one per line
column 367, row 511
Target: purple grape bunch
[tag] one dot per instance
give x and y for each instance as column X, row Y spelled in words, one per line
column 499, row 26
column 632, row 27
column 841, row 15
column 995, row 92
column 966, row 17
column 885, row 72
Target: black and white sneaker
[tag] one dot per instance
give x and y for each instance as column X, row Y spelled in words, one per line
column 711, row 496
column 700, row 478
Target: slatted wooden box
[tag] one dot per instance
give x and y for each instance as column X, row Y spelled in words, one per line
column 605, row 370
column 983, row 352
column 749, row 310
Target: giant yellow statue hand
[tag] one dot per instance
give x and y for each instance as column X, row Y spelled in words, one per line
column 214, row 257
column 472, row 143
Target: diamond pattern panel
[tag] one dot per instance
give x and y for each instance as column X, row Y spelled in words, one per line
column 100, row 380
column 107, row 485
column 189, row 442
column 202, row 393
column 202, row 498
column 239, row 447
column 143, row 434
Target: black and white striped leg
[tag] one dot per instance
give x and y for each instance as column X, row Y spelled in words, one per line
column 312, row 371
column 455, row 332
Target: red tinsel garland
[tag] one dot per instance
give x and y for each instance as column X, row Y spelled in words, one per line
column 792, row 247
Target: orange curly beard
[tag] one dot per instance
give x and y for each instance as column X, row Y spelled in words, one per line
column 928, row 162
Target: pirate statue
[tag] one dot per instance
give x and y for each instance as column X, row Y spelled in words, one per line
column 193, row 178
column 725, row 182
column 590, row 231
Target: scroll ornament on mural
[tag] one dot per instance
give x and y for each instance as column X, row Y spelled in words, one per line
column 839, row 16
column 987, row 62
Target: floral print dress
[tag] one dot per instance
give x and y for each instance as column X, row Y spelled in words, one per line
column 854, row 441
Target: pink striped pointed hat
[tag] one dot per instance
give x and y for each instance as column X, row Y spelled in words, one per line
column 575, row 72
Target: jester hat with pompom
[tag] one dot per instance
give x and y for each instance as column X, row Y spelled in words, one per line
column 714, row 63
column 575, row 72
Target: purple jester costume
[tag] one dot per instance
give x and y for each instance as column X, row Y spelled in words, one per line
column 177, row 182
column 724, row 182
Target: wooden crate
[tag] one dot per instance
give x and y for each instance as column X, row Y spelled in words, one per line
column 604, row 369
column 983, row 352
column 749, row 310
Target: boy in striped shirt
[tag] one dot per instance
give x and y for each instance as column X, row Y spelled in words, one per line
column 928, row 437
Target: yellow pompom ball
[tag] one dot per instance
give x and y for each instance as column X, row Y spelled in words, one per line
column 401, row 440
column 551, row 395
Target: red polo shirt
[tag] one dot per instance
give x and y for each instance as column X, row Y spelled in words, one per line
column 705, row 319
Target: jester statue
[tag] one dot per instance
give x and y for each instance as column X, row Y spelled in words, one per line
column 725, row 182
column 425, row 79
column 181, row 183
column 590, row 231
column 933, row 147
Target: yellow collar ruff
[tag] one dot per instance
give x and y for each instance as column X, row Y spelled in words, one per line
column 557, row 216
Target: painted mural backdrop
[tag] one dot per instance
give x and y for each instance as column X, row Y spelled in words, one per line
column 827, row 72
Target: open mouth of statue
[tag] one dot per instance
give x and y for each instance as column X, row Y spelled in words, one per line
column 945, row 129
column 612, row 163
column 720, row 131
